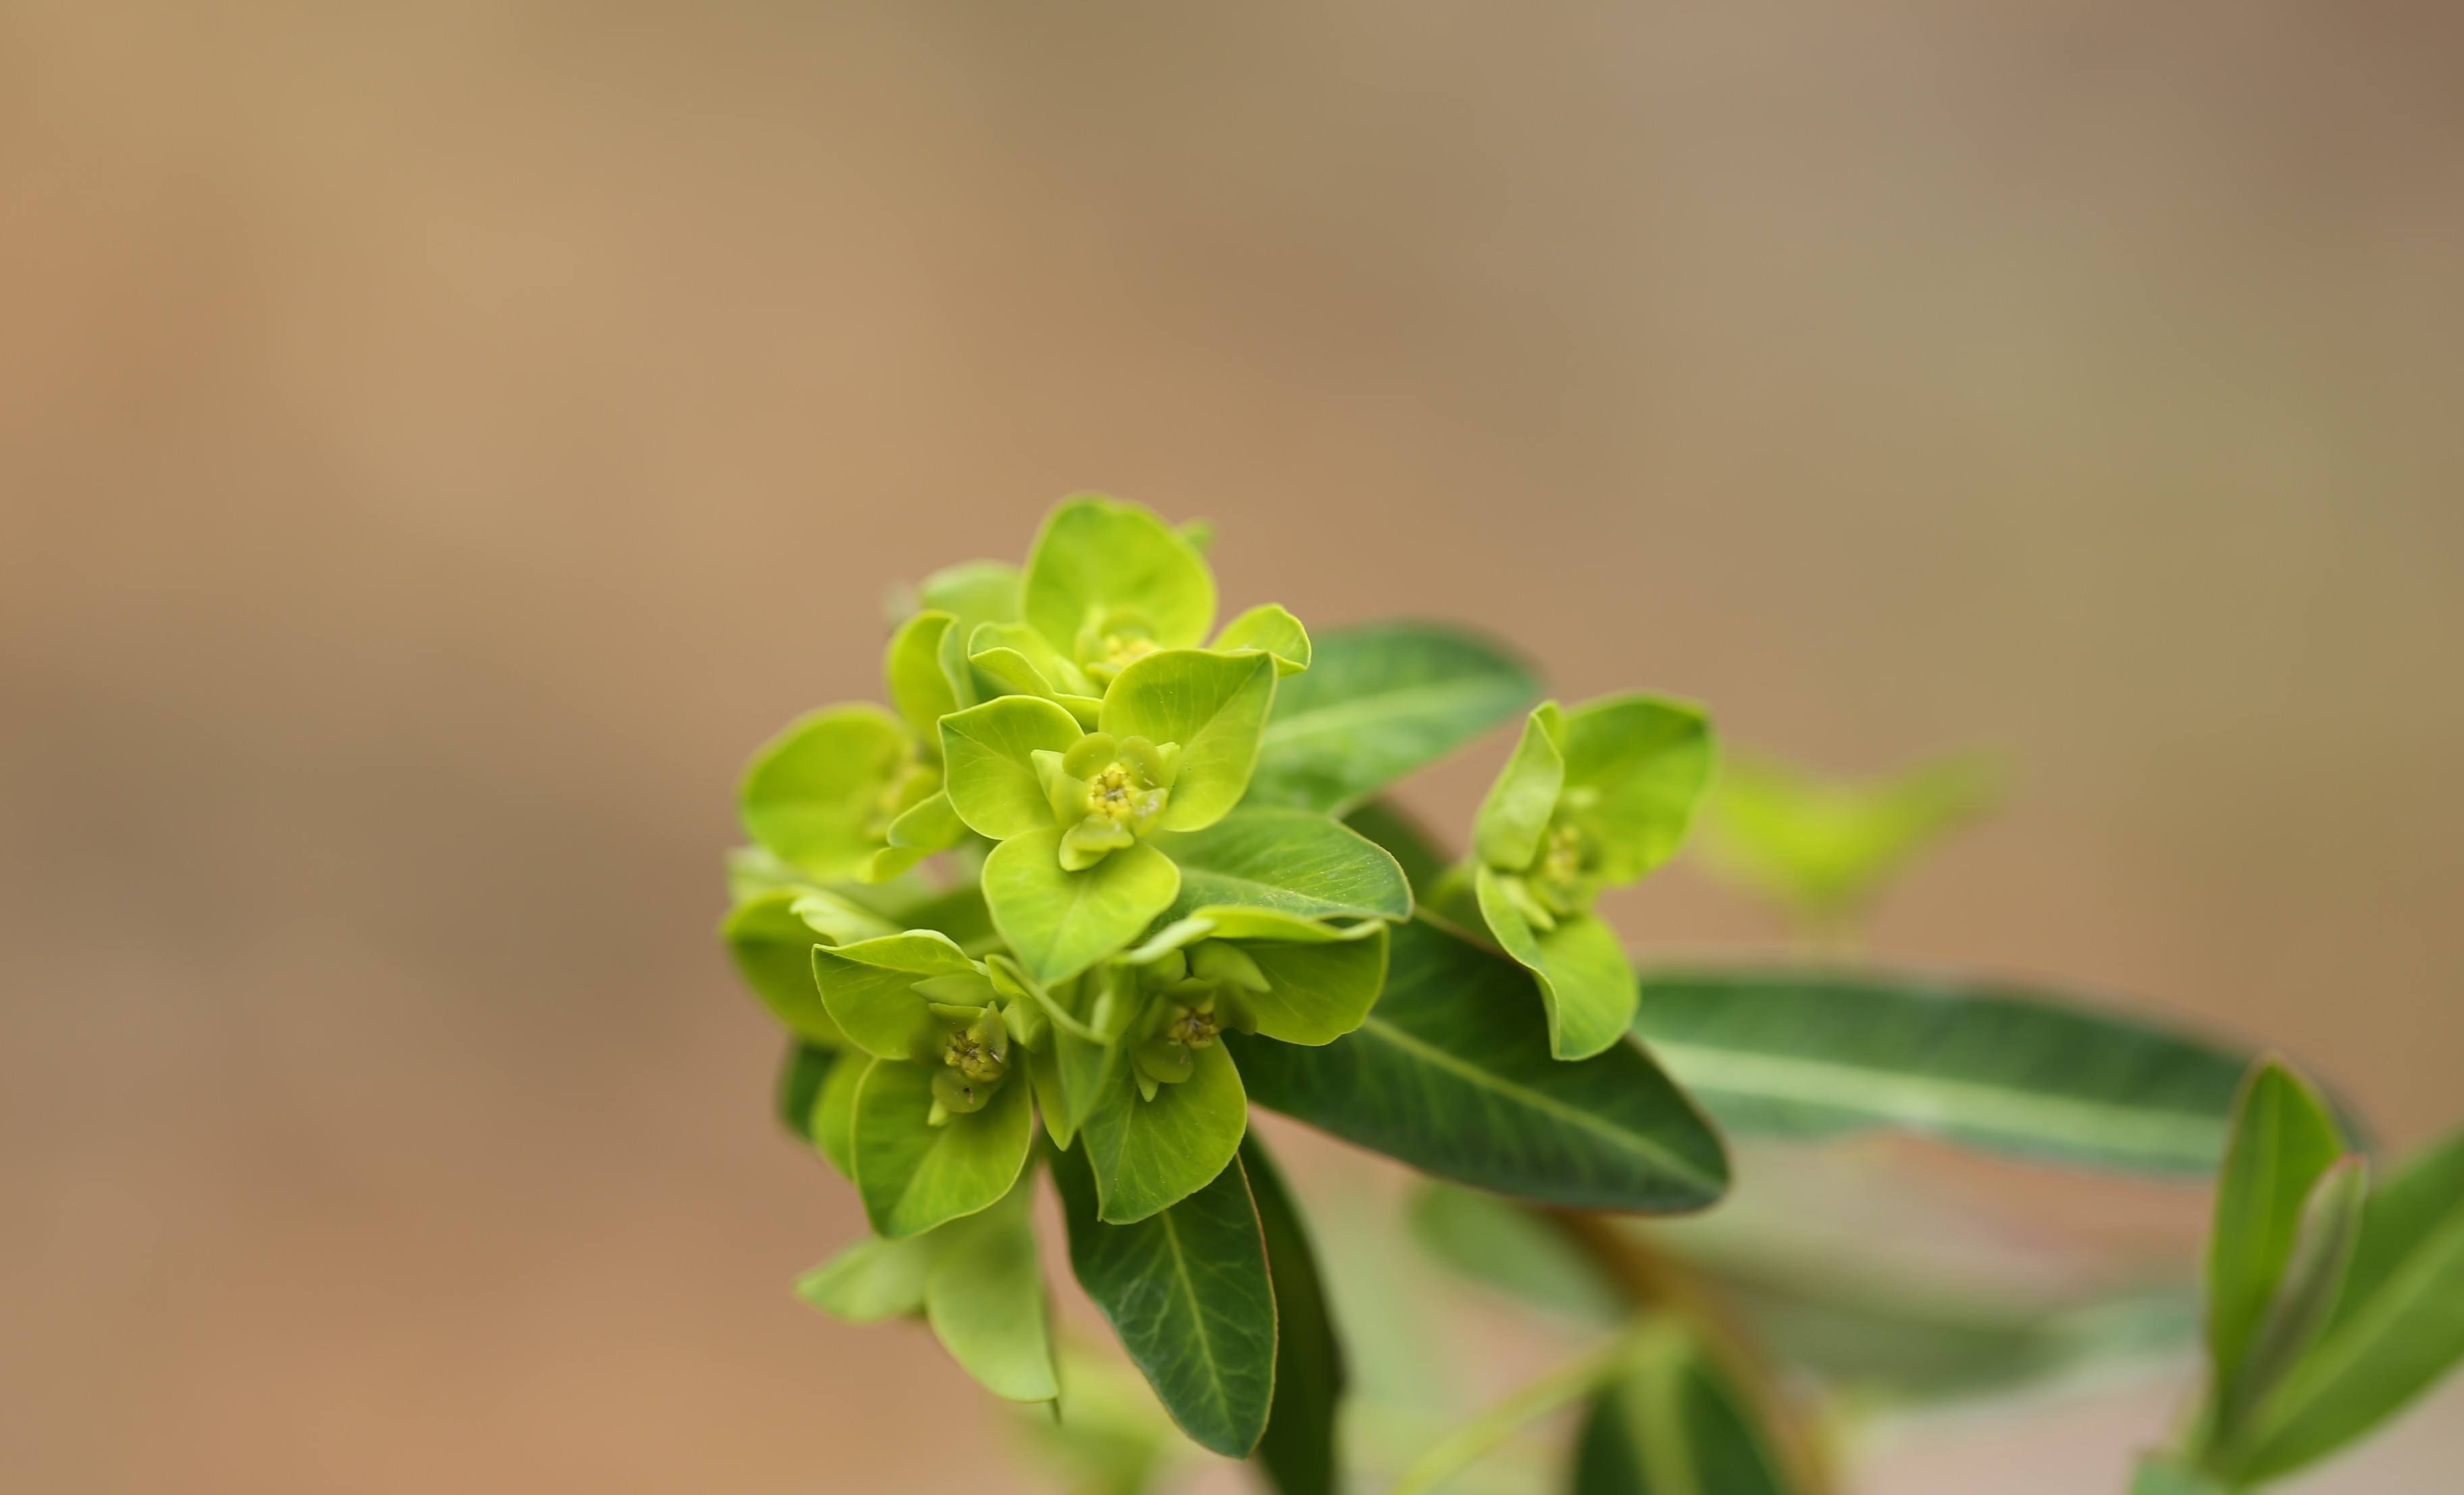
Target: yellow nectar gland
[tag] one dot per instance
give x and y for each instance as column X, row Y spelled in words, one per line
column 1121, row 650
column 1111, row 793
column 1196, row 1027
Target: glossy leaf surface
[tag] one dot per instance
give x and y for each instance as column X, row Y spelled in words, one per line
column 1294, row 860
column 1452, row 1073
column 1379, row 701
column 1187, row 1292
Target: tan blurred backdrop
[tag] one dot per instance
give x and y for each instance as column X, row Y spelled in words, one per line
column 438, row 441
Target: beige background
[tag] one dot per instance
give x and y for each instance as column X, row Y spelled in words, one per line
column 436, row 442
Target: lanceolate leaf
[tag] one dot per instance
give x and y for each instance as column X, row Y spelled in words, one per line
column 912, row 1175
column 1674, row 1423
column 2284, row 1140
column 2313, row 1278
column 1452, row 1074
column 985, row 1298
column 2397, row 1328
column 1379, row 701
column 1188, row 1293
column 1298, row 1451
column 1812, row 1052
column 1294, row 860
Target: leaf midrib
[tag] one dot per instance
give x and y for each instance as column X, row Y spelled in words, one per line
column 2155, row 1134
column 1198, row 1319
column 1540, row 1101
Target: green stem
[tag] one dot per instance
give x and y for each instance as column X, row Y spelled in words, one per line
column 1464, row 1446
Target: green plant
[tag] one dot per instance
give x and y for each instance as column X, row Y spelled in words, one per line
column 1103, row 875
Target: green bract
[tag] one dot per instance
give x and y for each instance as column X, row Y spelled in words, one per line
column 1105, row 870
column 1592, row 798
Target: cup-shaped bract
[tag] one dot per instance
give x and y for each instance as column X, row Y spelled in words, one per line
column 1109, row 582
column 1592, row 798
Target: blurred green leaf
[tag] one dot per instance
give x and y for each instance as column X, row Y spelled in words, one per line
column 772, row 945
column 1825, row 847
column 1812, row 1052
column 1298, row 1452
column 802, row 1075
column 1674, row 1422
column 1269, row 629
column 918, row 686
column 1378, row 702
column 1508, row 1249
column 985, row 1298
column 2398, row 1326
column 1515, row 814
column 1452, row 1074
column 1294, row 860
column 1187, row 1292
column 2314, row 1278
column 871, row 1280
column 817, row 795
column 2283, row 1141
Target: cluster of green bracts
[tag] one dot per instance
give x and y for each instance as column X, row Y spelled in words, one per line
column 1078, row 741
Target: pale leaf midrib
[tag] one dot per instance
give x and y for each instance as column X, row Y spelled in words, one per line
column 2174, row 1136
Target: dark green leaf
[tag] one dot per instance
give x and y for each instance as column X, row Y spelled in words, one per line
column 1452, row 1074
column 1675, row 1424
column 1292, row 861
column 1187, row 1292
column 1298, row 1452
column 1405, row 839
column 1811, row 1054
column 801, row 1076
column 1378, row 702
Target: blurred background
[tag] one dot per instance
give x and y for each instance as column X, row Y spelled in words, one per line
column 438, row 442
